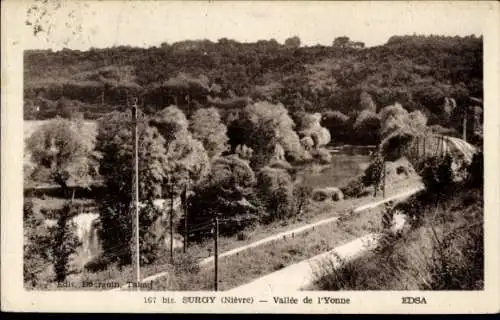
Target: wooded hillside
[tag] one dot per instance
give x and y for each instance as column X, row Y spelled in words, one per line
column 419, row 72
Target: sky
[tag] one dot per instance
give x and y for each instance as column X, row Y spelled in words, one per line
column 149, row 23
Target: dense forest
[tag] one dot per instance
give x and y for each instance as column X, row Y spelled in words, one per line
column 437, row 75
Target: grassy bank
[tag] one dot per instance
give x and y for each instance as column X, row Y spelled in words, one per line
column 257, row 262
column 444, row 252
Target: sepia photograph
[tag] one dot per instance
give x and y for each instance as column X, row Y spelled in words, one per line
column 240, row 148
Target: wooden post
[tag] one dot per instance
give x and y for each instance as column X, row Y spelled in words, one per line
column 135, row 196
column 216, row 254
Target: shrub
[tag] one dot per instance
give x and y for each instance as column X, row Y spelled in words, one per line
column 323, row 156
column 354, row 189
column 437, row 175
column 301, row 195
column 98, row 263
column 476, row 170
column 242, row 235
column 373, row 174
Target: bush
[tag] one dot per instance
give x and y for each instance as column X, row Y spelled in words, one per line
column 323, row 156
column 276, row 192
column 98, row 263
column 301, row 195
column 373, row 174
column 354, row 189
column 476, row 170
column 437, row 175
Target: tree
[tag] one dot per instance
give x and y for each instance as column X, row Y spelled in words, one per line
column 276, row 190
column 366, row 102
column 37, row 240
column 263, row 125
column 293, row 42
column 64, row 150
column 398, row 127
column 186, row 156
column 207, row 127
column 367, row 127
column 396, row 120
column 341, row 42
column 114, row 141
column 301, row 194
column 64, row 243
column 374, row 173
column 226, row 193
column 337, row 123
column 310, row 126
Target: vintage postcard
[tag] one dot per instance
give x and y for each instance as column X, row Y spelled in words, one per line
column 250, row 157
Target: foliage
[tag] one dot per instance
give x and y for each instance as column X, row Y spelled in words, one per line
column 37, row 242
column 276, row 191
column 152, row 232
column 293, row 42
column 186, row 157
column 354, row 189
column 206, row 126
column 421, row 72
column 366, row 127
column 263, row 125
column 338, row 125
column 310, row 126
column 323, row 155
column 437, row 176
column 398, row 127
column 374, row 173
column 64, row 243
column 114, row 141
column 225, row 193
column 476, row 170
column 445, row 251
column 244, row 152
column 366, row 103
column 62, row 150
column 301, row 195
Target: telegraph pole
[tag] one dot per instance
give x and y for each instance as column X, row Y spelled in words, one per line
column 216, row 254
column 135, row 193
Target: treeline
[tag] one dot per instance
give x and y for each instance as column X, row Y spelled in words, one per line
column 427, row 73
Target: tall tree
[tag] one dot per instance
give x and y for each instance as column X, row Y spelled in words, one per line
column 64, row 243
column 293, row 42
column 262, row 126
column 37, row 255
column 207, row 127
column 64, row 150
column 186, row 156
column 114, row 141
